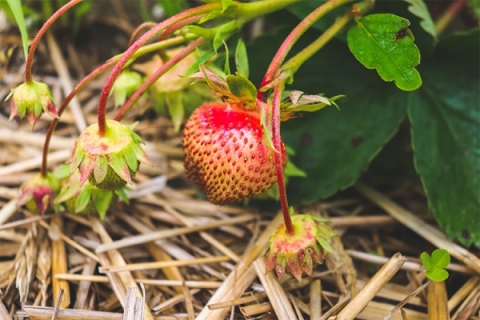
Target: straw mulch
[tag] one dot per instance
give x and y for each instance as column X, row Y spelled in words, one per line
column 171, row 255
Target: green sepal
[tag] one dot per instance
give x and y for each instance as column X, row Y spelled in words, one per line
column 131, row 160
column 101, row 168
column 241, row 87
column 102, row 200
column 120, row 167
column 291, row 170
column 122, row 195
column 83, row 198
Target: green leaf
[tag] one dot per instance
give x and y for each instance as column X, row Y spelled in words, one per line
column 418, row 8
column 241, row 59
column 446, row 135
column 437, row 275
column 16, row 7
column 122, row 195
column 383, row 42
column 436, row 264
column 441, row 258
column 242, row 87
column 175, row 108
column 427, row 261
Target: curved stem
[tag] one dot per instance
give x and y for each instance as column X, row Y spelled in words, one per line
column 154, row 77
column 293, row 37
column 145, row 25
column 134, row 47
column 295, row 62
column 41, row 32
column 87, row 79
column 95, row 73
column 277, row 144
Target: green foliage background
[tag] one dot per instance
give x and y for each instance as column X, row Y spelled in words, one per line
column 335, row 147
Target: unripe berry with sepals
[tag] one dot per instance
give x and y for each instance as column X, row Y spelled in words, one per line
column 84, row 198
column 39, row 192
column 300, row 251
column 108, row 161
column 30, row 100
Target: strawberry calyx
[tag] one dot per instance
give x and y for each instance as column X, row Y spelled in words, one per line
column 39, row 192
column 108, row 161
column 301, row 251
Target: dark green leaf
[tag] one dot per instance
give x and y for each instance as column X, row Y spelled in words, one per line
column 16, row 7
column 419, row 8
column 383, row 42
column 446, row 136
column 241, row 59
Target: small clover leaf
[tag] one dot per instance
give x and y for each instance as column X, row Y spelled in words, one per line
column 435, row 264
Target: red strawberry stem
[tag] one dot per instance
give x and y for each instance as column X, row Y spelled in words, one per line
column 154, row 77
column 288, row 43
column 242, row 11
column 135, row 46
column 277, row 96
column 41, row 32
column 95, row 73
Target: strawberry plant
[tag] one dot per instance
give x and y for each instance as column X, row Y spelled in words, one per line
column 375, row 71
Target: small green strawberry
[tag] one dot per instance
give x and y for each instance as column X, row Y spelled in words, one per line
column 30, row 100
column 299, row 252
column 226, row 152
column 108, row 161
column 39, row 192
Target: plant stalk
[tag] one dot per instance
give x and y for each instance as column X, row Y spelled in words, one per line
column 292, row 38
column 95, row 73
column 295, row 62
column 277, row 144
column 154, row 77
column 448, row 16
column 134, row 47
column 39, row 35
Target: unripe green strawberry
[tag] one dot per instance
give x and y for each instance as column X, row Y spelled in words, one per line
column 226, row 153
column 301, row 250
column 108, row 161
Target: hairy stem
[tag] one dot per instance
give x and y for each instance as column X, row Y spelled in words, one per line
column 41, row 32
column 95, row 73
column 277, row 144
column 134, row 47
column 296, row 33
column 154, row 77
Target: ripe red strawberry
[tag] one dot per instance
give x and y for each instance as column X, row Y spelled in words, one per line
column 226, row 153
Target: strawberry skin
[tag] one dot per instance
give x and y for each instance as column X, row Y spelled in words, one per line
column 226, row 153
